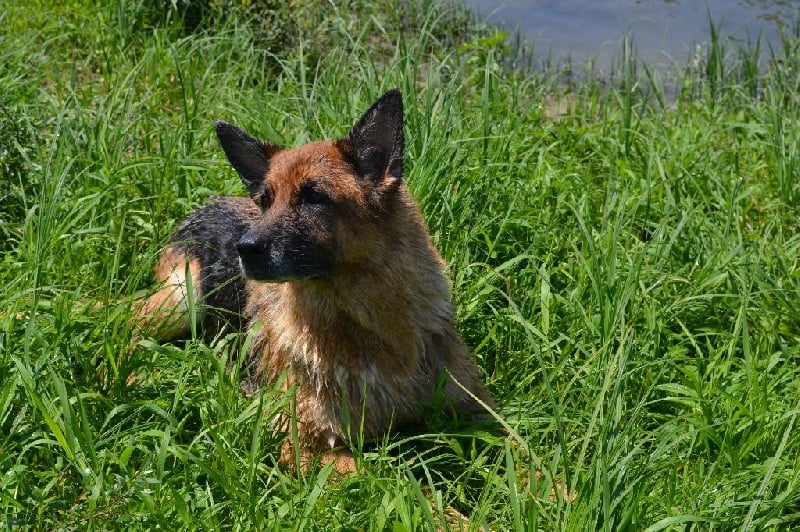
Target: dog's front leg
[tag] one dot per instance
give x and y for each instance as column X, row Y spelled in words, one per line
column 342, row 460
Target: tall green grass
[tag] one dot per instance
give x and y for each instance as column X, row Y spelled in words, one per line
column 627, row 273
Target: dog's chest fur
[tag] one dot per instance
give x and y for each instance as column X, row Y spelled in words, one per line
column 348, row 376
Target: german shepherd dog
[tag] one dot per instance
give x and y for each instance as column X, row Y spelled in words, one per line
column 329, row 264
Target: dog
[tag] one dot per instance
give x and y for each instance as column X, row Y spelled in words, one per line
column 329, row 265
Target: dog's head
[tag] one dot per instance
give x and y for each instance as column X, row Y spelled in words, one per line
column 322, row 203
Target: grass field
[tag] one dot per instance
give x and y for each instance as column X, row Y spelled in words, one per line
column 627, row 272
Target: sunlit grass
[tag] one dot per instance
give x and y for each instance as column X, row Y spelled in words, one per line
column 628, row 274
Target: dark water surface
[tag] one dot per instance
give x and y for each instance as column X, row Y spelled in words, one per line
column 663, row 31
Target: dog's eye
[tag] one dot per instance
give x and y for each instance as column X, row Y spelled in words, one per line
column 264, row 200
column 313, row 196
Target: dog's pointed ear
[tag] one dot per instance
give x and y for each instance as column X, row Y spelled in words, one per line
column 376, row 142
column 249, row 156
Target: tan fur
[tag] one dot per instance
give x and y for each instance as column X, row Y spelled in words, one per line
column 166, row 313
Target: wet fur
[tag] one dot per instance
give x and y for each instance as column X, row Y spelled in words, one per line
column 331, row 259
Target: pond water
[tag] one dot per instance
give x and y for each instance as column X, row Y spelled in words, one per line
column 662, row 31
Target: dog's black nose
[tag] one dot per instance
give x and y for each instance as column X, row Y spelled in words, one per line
column 249, row 247
column 256, row 257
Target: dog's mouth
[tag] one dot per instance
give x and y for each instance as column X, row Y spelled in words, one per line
column 267, row 269
column 261, row 273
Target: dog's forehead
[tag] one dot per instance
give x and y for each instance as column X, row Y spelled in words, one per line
column 317, row 160
column 303, row 159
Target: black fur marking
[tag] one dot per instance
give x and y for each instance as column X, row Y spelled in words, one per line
column 210, row 235
column 283, row 250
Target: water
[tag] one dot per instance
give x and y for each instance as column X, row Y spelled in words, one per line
column 663, row 31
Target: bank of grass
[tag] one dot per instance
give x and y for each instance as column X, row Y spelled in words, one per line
column 627, row 272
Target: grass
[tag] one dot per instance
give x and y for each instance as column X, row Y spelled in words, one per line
column 628, row 273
